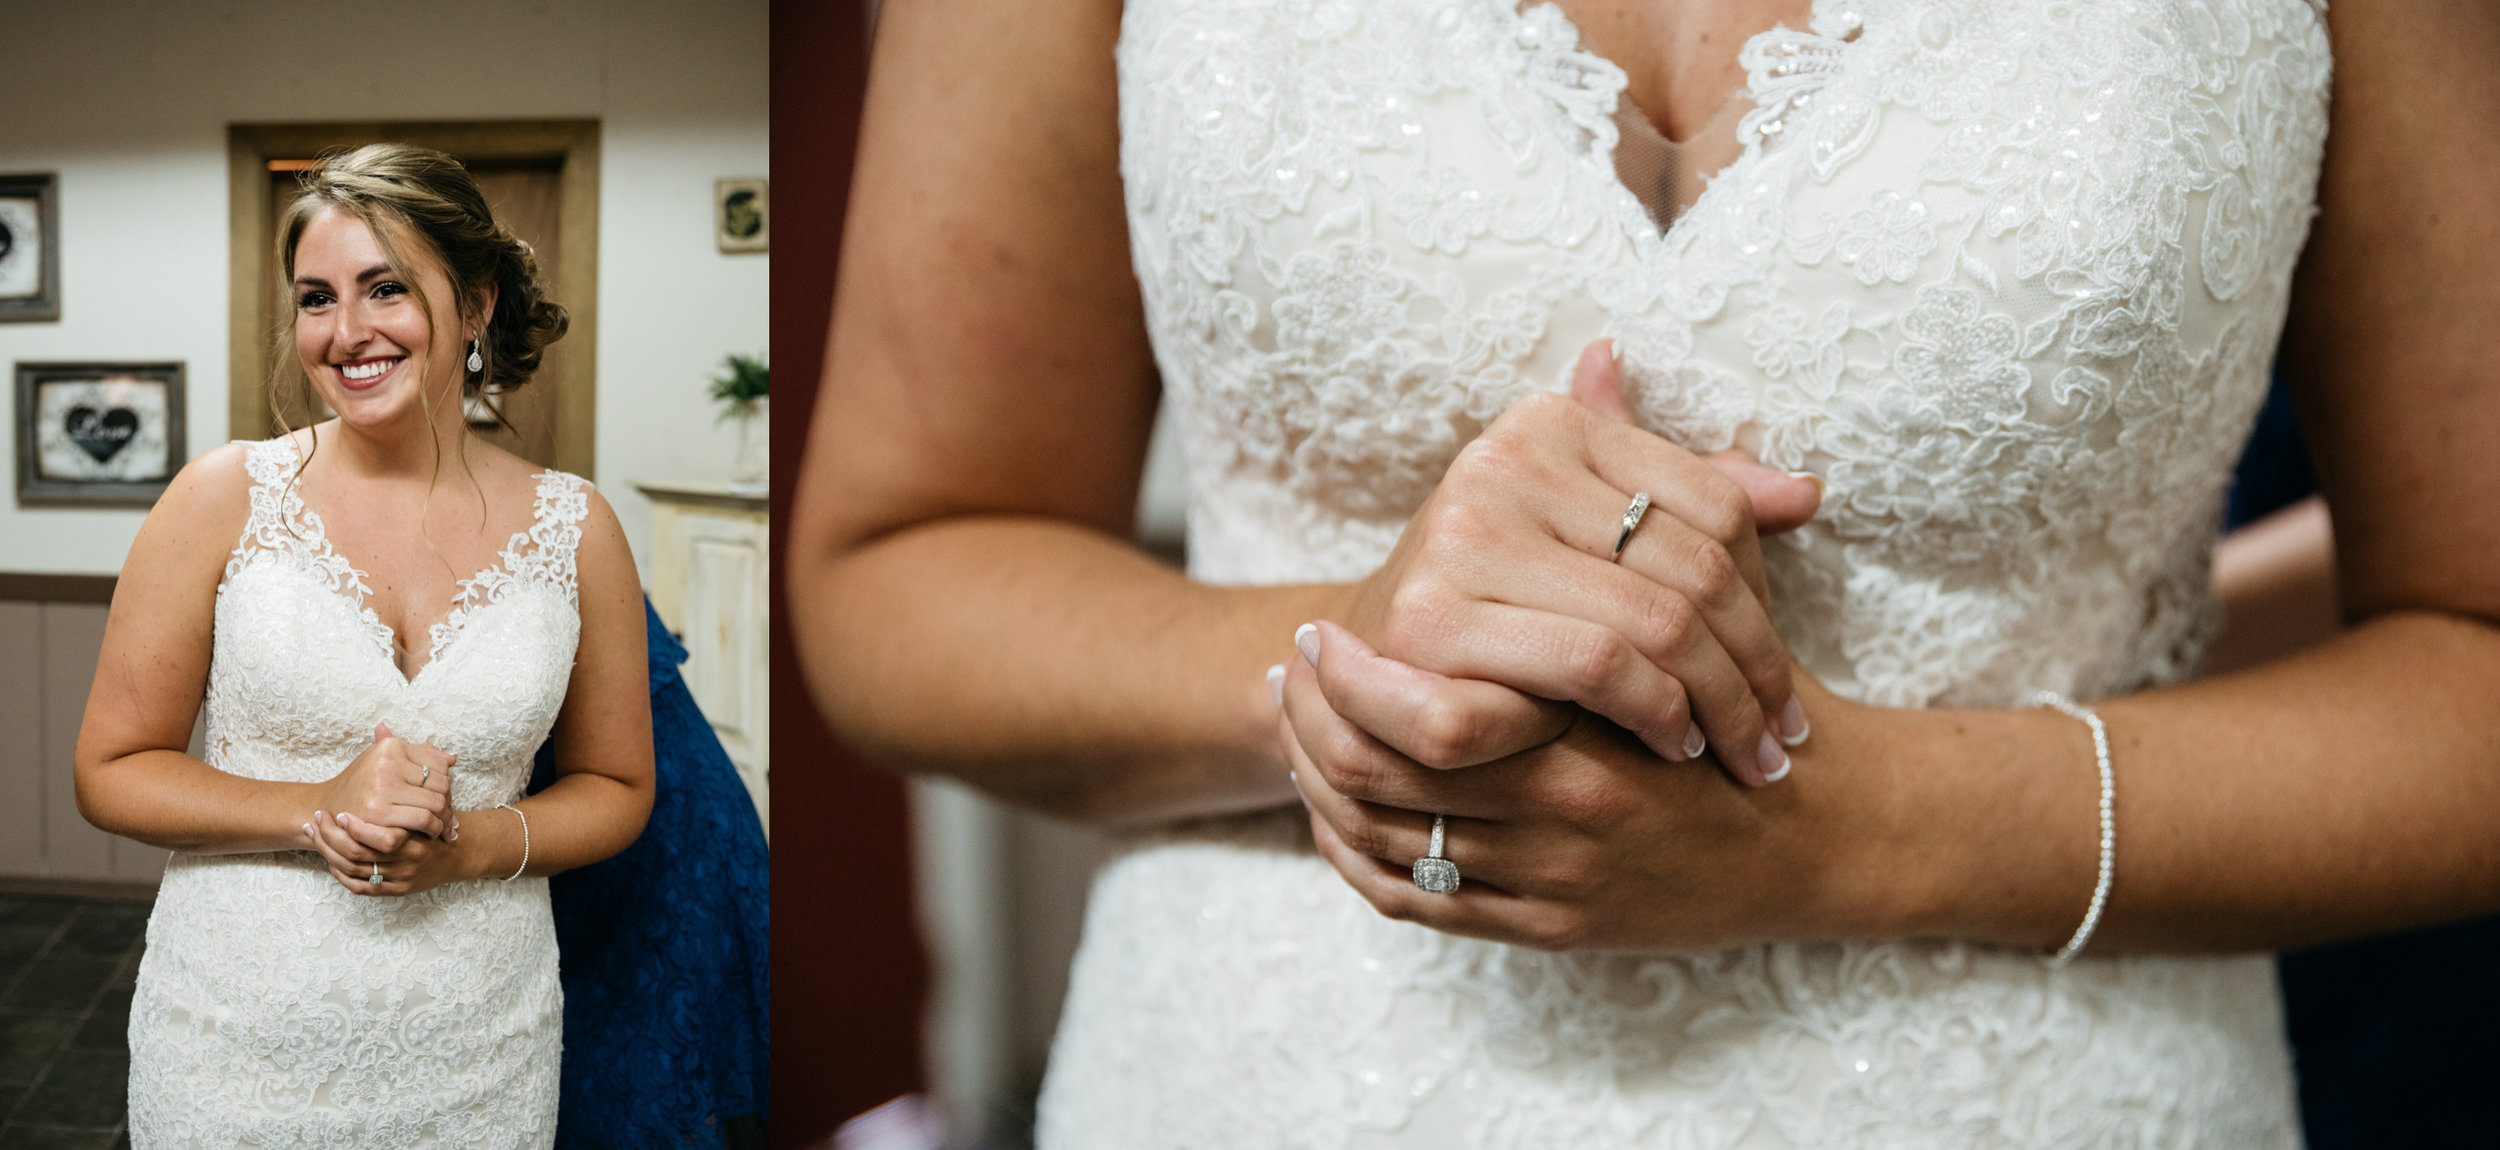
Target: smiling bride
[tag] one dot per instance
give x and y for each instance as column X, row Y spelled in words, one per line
column 384, row 616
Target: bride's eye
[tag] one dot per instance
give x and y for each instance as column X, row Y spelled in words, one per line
column 389, row 289
column 312, row 300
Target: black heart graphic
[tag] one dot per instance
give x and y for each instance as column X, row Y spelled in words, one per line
column 102, row 434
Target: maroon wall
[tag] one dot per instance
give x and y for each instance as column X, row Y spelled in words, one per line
column 849, row 977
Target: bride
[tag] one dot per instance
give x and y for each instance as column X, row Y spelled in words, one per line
column 1988, row 288
column 351, row 945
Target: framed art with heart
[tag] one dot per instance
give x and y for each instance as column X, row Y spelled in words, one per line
column 30, row 248
column 98, row 433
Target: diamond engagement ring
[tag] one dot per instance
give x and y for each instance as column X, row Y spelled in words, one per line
column 376, row 880
column 1434, row 874
column 1631, row 519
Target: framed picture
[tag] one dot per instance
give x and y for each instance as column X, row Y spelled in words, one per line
column 742, row 215
column 98, row 433
column 30, row 248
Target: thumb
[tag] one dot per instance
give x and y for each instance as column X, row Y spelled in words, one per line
column 1781, row 501
column 1597, row 382
column 381, row 731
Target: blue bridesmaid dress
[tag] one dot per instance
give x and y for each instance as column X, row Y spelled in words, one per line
column 664, row 951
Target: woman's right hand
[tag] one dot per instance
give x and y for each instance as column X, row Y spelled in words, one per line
column 397, row 787
column 1502, row 580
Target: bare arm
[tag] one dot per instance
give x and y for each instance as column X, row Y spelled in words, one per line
column 964, row 594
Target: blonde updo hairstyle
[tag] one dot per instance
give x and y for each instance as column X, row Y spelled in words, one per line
column 411, row 196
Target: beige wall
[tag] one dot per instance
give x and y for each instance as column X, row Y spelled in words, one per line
column 129, row 100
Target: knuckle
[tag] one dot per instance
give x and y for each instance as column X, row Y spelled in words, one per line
column 1666, row 622
column 1716, row 578
column 1345, row 764
column 1595, row 660
column 1361, row 835
column 1574, row 876
column 1725, row 512
column 1592, row 810
column 1419, row 612
column 1447, row 732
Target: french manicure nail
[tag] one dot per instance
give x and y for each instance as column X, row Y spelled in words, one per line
column 1694, row 743
column 1793, row 727
column 1306, row 640
column 1276, row 683
column 1773, row 761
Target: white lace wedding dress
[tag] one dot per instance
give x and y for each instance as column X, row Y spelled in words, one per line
column 276, row 1010
column 2007, row 274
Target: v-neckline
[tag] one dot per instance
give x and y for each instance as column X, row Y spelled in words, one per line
column 1748, row 150
column 347, row 581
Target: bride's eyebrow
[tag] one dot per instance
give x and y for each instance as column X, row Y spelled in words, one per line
column 368, row 275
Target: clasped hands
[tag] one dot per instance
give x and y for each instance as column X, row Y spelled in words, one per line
column 1563, row 710
column 388, row 813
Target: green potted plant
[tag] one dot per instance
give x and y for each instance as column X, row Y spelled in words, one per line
column 742, row 395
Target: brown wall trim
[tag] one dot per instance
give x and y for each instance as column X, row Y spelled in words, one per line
column 26, row 587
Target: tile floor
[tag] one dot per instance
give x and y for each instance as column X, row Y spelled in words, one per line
column 66, row 969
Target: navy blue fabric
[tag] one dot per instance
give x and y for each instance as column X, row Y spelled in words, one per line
column 2393, row 1036
column 664, row 951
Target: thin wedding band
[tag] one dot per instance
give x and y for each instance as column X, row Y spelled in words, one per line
column 1631, row 519
column 425, row 774
column 1434, row 874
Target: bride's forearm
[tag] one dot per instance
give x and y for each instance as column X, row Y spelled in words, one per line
column 170, row 800
column 1053, row 665
column 2345, row 791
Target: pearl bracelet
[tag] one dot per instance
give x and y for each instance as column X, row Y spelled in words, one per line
column 525, row 844
column 2109, row 821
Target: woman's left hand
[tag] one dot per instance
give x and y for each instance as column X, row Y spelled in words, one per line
column 1592, row 841
column 358, row 850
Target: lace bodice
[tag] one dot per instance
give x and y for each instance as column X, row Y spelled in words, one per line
column 275, row 1008
column 2005, row 274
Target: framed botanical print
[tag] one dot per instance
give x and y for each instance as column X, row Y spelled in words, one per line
column 742, row 215
column 30, row 248
column 93, row 434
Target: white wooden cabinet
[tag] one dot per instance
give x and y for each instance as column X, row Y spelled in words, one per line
column 709, row 571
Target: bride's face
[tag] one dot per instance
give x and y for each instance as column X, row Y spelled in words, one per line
column 367, row 344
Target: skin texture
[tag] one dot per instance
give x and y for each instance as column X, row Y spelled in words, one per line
column 965, row 603
column 372, row 479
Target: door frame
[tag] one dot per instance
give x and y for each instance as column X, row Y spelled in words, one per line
column 572, row 143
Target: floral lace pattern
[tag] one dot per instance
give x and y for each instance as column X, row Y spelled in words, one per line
column 2005, row 274
column 275, row 1009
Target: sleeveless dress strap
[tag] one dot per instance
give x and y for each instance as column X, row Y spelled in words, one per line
column 556, row 529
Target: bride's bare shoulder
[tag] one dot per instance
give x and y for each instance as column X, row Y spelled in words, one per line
column 193, row 528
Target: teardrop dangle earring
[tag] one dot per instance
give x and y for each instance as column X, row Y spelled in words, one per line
column 476, row 361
